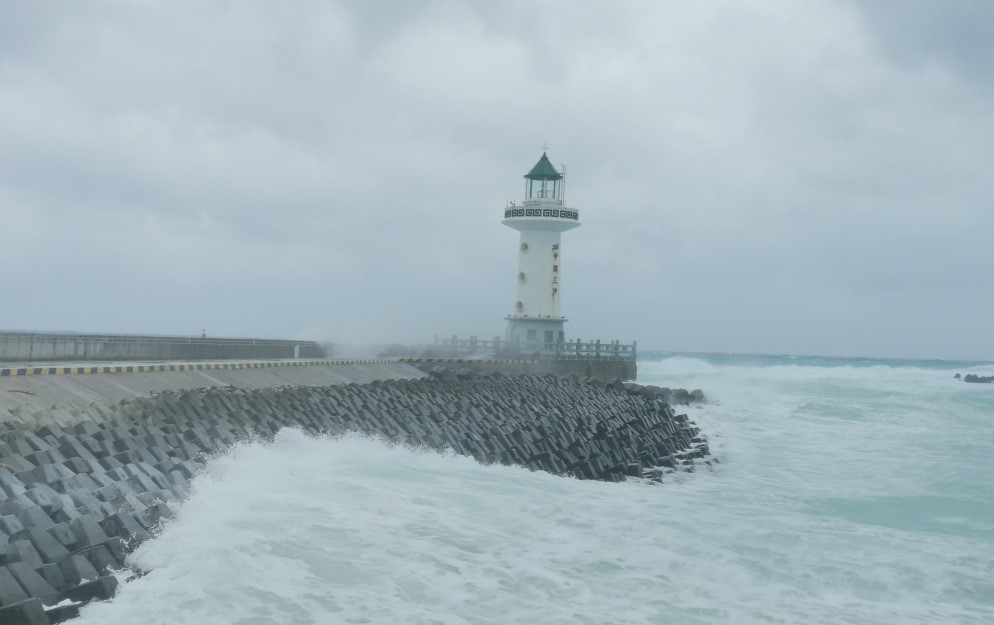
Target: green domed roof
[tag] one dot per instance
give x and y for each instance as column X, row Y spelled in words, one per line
column 543, row 170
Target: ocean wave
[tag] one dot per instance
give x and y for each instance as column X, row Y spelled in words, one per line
column 844, row 495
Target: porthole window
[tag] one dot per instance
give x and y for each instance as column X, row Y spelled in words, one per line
column 520, row 306
column 524, row 247
column 521, row 276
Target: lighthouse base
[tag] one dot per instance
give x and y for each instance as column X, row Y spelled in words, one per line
column 542, row 333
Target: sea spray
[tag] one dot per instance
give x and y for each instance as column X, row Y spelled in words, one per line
column 122, row 470
column 850, row 493
column 318, row 530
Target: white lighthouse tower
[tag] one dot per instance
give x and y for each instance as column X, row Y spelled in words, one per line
column 540, row 218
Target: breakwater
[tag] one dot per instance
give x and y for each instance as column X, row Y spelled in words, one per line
column 74, row 499
column 60, row 346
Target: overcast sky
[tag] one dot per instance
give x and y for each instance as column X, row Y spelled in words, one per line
column 795, row 177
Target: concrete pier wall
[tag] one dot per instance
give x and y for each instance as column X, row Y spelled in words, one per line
column 33, row 349
column 62, row 395
column 597, row 368
column 52, row 346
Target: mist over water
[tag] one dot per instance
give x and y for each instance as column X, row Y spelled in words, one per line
column 847, row 492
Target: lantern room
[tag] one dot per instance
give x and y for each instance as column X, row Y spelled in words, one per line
column 543, row 182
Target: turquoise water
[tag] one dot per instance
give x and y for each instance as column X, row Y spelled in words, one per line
column 848, row 491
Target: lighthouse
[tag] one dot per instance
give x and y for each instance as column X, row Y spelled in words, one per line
column 541, row 218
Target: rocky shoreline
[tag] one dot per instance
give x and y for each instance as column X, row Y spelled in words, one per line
column 977, row 379
column 76, row 498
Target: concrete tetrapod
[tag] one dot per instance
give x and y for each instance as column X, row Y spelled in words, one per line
column 76, row 498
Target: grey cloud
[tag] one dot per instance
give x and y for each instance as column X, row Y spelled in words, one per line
column 788, row 178
column 953, row 35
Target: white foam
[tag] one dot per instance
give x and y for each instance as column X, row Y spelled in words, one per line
column 829, row 507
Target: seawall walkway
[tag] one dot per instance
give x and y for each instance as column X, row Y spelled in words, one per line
column 61, row 395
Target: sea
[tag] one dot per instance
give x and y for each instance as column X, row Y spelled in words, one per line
column 841, row 491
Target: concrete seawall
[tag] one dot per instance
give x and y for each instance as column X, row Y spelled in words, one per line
column 61, row 395
column 81, row 485
column 605, row 369
column 59, row 346
column 32, row 392
column 54, row 347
